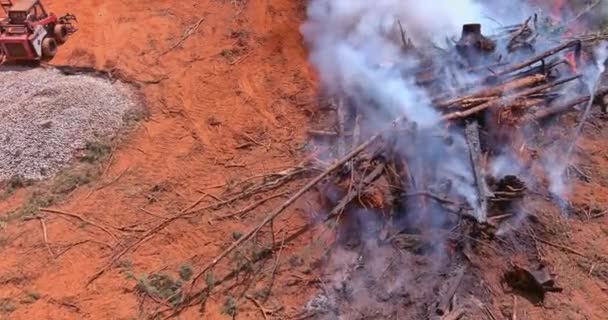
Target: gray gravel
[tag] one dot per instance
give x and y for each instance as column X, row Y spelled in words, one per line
column 46, row 117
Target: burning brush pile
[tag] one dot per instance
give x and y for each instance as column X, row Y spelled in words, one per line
column 435, row 148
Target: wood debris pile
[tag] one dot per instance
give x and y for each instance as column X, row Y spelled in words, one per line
column 488, row 110
column 491, row 102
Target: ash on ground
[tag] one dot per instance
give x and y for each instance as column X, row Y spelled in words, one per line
column 46, row 117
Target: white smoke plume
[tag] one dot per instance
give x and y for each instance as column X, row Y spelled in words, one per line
column 356, row 47
column 557, row 160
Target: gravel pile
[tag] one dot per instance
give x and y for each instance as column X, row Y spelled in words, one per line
column 46, row 116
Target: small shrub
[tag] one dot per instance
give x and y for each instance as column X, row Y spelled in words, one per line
column 160, row 286
column 230, row 307
column 13, row 184
column 31, row 297
column 135, row 115
column 95, row 152
column 69, row 181
column 236, row 235
column 17, row 182
column 32, row 205
column 210, row 281
column 7, row 305
column 261, row 253
column 185, row 272
column 262, row 294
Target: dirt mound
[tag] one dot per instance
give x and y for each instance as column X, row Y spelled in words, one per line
column 47, row 116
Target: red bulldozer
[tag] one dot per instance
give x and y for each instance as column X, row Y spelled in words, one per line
column 28, row 33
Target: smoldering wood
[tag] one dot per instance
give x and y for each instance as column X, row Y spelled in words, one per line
column 539, row 57
column 443, row 305
column 350, row 196
column 322, row 133
column 341, row 114
column 496, row 91
column 483, row 191
column 564, row 107
column 507, row 100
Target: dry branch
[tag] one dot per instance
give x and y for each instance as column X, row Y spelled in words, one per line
column 191, row 209
column 81, row 218
column 496, row 91
column 45, row 236
column 350, row 196
column 251, row 206
column 290, row 201
column 197, row 297
column 190, row 31
column 506, row 101
column 538, row 58
column 564, row 107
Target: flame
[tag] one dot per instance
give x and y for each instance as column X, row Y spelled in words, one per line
column 557, row 9
column 558, row 15
column 571, row 60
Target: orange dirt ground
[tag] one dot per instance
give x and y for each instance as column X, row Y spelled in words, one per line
column 241, row 77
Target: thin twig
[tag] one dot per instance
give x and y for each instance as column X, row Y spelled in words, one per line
column 559, row 246
column 190, row 31
column 259, row 305
column 196, row 298
column 584, row 11
column 46, row 237
column 107, row 184
column 144, row 237
column 81, row 218
column 290, row 201
column 191, row 209
column 151, row 213
column 276, row 265
column 71, row 246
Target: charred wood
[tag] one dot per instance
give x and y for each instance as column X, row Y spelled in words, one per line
column 507, row 100
column 564, row 107
column 576, row 44
column 483, row 192
column 496, row 91
column 352, row 194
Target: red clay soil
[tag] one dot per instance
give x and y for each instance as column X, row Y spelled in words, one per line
column 240, row 78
